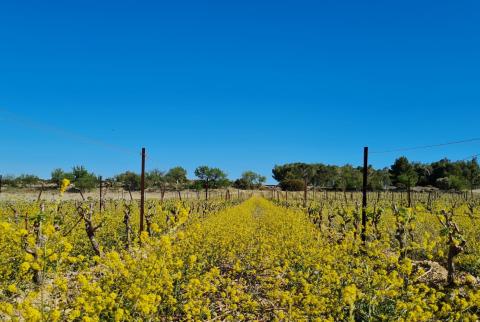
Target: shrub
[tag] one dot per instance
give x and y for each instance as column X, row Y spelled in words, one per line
column 292, row 185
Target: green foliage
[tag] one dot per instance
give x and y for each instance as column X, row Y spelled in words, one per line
column 129, row 180
column 154, row 179
column 195, row 185
column 457, row 183
column 304, row 171
column 471, row 172
column 292, row 185
column 282, row 172
column 79, row 176
column 27, row 179
column 58, row 175
column 23, row 180
column 452, row 183
column 403, row 173
column 249, row 180
column 378, row 179
column 9, row 180
column 211, row 178
column 325, row 176
column 443, row 174
column 344, row 178
column 349, row 178
column 82, row 179
column 177, row 178
column 423, row 172
column 459, row 175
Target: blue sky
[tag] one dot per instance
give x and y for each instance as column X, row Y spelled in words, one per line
column 242, row 85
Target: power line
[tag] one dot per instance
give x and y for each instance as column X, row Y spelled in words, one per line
column 46, row 128
column 426, row 146
column 470, row 157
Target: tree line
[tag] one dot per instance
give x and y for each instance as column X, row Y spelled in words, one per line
column 404, row 174
column 174, row 179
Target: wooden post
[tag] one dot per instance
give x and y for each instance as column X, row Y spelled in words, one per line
column 100, row 184
column 206, row 189
column 142, row 192
column 1, row 177
column 305, row 191
column 40, row 193
column 364, row 191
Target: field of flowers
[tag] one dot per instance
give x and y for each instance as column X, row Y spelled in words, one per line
column 224, row 260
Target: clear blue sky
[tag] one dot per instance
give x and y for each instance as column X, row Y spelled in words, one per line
column 240, row 86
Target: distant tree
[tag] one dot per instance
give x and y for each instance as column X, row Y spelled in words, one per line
column 130, row 180
column 325, row 175
column 79, row 171
column 177, row 179
column 378, row 179
column 156, row 179
column 249, row 180
column 195, row 185
column 292, row 185
column 457, row 183
column 443, row 174
column 82, row 179
column 471, row 173
column 424, row 172
column 444, row 169
column 297, row 171
column 348, row 178
column 451, row 183
column 58, row 175
column 27, row 180
column 283, row 172
column 403, row 175
column 211, row 178
column 10, row 180
column 442, row 183
column 108, row 182
column 240, row 184
column 306, row 172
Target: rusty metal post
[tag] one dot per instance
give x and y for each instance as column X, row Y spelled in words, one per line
column 364, row 193
column 101, row 197
column 142, row 192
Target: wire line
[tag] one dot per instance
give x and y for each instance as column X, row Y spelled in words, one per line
column 46, row 128
column 426, row 146
column 470, row 157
